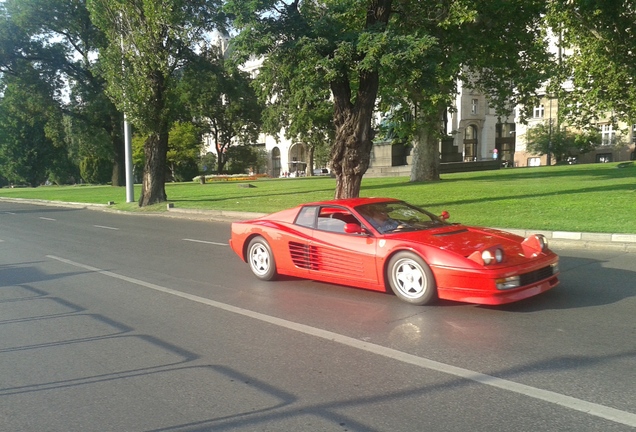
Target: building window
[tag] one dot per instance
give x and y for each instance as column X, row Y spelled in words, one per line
column 607, row 134
column 276, row 168
column 534, row 161
column 470, row 144
column 505, row 130
column 538, row 111
column 474, row 104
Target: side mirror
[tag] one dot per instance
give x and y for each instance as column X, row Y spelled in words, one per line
column 353, row 228
column 445, row 215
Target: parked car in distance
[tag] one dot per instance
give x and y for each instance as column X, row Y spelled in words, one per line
column 385, row 244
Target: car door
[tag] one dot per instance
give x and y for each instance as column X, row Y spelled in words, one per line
column 336, row 255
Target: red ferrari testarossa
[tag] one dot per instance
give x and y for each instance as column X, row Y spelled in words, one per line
column 381, row 243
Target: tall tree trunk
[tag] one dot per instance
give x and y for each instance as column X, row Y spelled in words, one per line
column 309, row 172
column 114, row 176
column 426, row 165
column 351, row 152
column 118, row 176
column 351, row 149
column 220, row 147
column 153, row 188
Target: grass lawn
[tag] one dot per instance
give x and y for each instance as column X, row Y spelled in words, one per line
column 589, row 198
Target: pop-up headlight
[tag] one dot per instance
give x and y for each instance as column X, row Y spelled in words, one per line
column 534, row 244
column 488, row 256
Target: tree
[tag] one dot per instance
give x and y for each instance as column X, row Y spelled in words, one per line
column 420, row 49
column 597, row 42
column 336, row 43
column 150, row 41
column 58, row 38
column 221, row 98
column 28, row 154
column 546, row 138
column 497, row 48
column 184, row 151
column 244, row 158
column 95, row 170
column 207, row 163
column 302, row 106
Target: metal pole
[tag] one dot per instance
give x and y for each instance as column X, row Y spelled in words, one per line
column 130, row 181
column 550, row 135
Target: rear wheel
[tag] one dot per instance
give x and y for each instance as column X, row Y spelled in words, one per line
column 411, row 279
column 261, row 259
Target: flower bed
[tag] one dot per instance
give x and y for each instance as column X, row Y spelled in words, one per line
column 232, row 177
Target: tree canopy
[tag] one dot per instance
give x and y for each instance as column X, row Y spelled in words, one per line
column 328, row 67
column 222, row 100
column 59, row 41
column 597, row 46
column 28, row 116
column 335, row 46
column 497, row 48
column 410, row 53
column 560, row 141
column 149, row 42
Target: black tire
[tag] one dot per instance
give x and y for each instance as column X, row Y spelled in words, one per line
column 411, row 279
column 261, row 259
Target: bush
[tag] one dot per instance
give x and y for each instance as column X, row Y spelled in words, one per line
column 96, row 170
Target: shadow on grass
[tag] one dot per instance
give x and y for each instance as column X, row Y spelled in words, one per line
column 520, row 174
column 255, row 194
column 556, row 193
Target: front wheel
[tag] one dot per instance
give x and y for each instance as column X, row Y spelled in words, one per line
column 261, row 259
column 411, row 279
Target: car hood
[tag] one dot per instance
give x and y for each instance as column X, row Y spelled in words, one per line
column 464, row 240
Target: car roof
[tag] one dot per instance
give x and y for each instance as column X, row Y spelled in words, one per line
column 351, row 202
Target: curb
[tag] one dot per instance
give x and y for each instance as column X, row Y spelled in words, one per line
column 218, row 215
column 54, row 203
column 567, row 239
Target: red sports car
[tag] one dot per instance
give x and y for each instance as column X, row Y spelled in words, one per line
column 381, row 243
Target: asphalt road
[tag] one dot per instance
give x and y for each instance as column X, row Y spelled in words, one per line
column 112, row 322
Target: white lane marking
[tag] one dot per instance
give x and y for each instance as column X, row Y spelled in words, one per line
column 106, row 227
column 597, row 410
column 11, row 213
column 206, row 242
column 45, row 218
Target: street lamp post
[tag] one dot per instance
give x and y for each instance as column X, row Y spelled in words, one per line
column 130, row 181
column 549, row 158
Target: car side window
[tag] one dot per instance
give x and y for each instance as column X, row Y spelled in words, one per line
column 334, row 219
column 307, row 216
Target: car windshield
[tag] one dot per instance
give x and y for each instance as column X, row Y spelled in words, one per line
column 398, row 216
